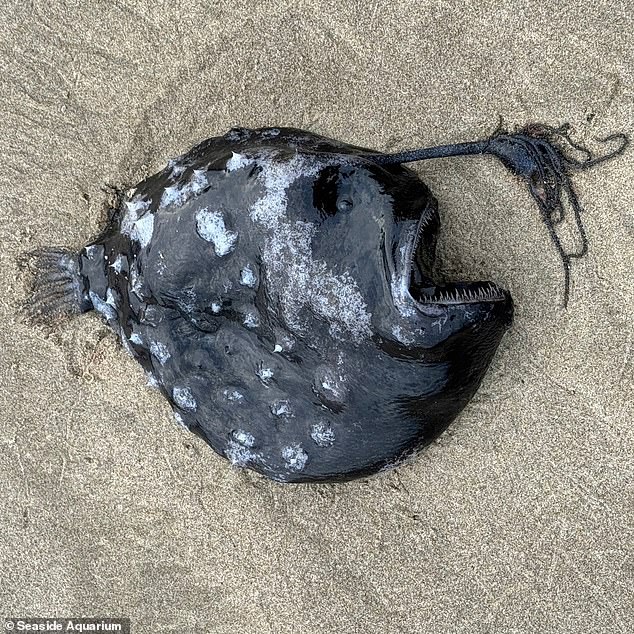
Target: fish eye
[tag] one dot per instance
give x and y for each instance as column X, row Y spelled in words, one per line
column 330, row 194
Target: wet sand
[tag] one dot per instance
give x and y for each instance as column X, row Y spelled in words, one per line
column 517, row 520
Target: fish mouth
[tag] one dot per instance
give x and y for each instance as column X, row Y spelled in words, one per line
column 458, row 293
column 417, row 258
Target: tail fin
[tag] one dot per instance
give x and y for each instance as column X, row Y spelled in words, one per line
column 58, row 287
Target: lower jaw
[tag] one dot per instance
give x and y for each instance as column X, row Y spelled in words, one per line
column 457, row 293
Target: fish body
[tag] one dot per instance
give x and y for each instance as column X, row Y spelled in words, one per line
column 277, row 288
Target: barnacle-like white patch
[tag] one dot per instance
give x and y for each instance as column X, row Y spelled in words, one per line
column 176, row 168
column 243, row 437
column 238, row 161
column 293, row 275
column 184, row 398
column 177, row 195
column 240, row 455
column 211, row 227
column 138, row 222
column 233, row 395
column 159, row 351
column 282, row 408
column 295, row 457
column 216, row 307
column 264, row 374
column 152, row 381
column 278, row 348
column 251, row 320
column 179, row 420
column 247, row 277
column 322, row 434
column 401, row 335
column 136, row 339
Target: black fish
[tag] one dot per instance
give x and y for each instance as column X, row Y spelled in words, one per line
column 277, row 287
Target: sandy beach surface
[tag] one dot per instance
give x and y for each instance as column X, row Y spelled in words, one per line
column 519, row 519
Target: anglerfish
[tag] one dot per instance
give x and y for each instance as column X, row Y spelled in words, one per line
column 278, row 288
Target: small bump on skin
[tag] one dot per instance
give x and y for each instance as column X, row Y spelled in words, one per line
column 282, row 409
column 184, row 398
column 295, row 457
column 247, row 277
column 239, row 455
column 176, row 168
column 322, row 434
column 233, row 395
column 136, row 339
column 278, row 348
column 159, row 351
column 216, row 308
column 179, row 420
column 243, row 437
column 152, row 381
column 251, row 320
column 264, row 374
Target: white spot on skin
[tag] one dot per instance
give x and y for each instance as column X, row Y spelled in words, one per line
column 216, row 307
column 117, row 265
column 322, row 434
column 238, row 161
column 184, row 398
column 295, row 457
column 91, row 251
column 277, row 348
column 243, row 437
column 178, row 195
column 179, row 420
column 152, row 381
column 159, row 351
column 282, row 409
column 251, row 320
column 211, row 227
column 110, row 298
column 247, row 277
column 401, row 336
column 239, row 455
column 143, row 230
column 138, row 223
column 136, row 339
column 176, row 168
column 233, row 395
column 264, row 374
